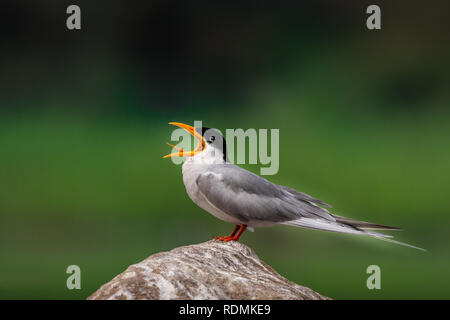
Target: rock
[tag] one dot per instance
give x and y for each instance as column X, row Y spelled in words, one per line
column 210, row 270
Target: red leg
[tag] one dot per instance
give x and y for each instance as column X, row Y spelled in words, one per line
column 231, row 235
column 235, row 230
column 236, row 237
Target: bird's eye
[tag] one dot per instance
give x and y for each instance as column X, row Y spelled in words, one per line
column 211, row 139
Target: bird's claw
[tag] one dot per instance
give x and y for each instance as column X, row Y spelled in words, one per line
column 225, row 238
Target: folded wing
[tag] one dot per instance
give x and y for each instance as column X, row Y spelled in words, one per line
column 250, row 197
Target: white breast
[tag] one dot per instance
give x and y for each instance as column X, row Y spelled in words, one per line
column 192, row 168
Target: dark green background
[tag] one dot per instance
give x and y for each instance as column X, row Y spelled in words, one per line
column 363, row 118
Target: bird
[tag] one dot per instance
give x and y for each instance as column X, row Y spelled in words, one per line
column 247, row 200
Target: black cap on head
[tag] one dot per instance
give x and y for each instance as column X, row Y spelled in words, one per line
column 214, row 138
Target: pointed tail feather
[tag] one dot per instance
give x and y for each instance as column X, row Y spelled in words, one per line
column 363, row 225
column 319, row 224
column 388, row 239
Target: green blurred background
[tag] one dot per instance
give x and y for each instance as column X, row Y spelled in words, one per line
column 363, row 118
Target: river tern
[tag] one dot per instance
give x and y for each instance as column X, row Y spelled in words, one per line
column 247, row 200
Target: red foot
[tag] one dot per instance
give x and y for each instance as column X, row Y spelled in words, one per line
column 226, row 238
column 233, row 236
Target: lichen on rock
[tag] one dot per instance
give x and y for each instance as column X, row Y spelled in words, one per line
column 209, row 270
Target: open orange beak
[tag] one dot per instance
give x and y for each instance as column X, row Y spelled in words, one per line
column 200, row 146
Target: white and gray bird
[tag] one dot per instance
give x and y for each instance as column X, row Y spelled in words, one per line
column 247, row 200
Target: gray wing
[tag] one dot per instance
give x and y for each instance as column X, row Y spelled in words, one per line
column 248, row 197
column 305, row 197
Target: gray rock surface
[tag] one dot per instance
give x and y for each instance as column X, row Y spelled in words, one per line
column 209, row 270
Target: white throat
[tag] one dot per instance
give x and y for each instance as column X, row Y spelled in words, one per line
column 208, row 156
